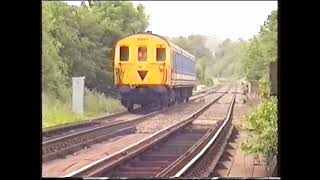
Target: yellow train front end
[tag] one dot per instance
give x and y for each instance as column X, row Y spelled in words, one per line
column 141, row 69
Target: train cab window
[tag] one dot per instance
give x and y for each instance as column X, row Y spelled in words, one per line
column 142, row 53
column 124, row 53
column 161, row 54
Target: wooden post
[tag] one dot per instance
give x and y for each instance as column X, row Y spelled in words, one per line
column 273, row 79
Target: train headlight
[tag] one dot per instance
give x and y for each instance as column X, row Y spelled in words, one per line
column 161, row 67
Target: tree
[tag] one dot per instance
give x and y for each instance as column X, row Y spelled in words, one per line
column 78, row 41
column 196, row 45
column 258, row 53
column 226, row 62
column 261, row 50
column 54, row 70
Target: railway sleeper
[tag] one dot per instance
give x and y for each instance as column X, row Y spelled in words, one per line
column 202, row 126
column 139, row 163
column 186, row 143
column 181, row 143
column 217, row 173
column 168, row 151
column 187, row 136
column 171, row 150
column 193, row 137
column 140, row 169
column 174, row 146
column 189, row 133
column 157, row 157
column 134, row 174
column 181, row 138
column 194, row 131
column 225, row 157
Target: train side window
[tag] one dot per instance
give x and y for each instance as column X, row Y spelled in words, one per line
column 161, row 54
column 124, row 53
column 142, row 54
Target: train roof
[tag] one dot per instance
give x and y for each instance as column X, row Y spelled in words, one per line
column 175, row 47
column 184, row 52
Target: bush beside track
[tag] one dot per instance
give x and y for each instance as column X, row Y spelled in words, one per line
column 56, row 112
column 59, row 112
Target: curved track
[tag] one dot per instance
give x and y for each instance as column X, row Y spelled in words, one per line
column 169, row 152
column 62, row 141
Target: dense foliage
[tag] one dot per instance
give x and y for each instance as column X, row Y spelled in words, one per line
column 261, row 50
column 213, row 61
column 79, row 41
column 257, row 55
column 196, row 45
column 263, row 124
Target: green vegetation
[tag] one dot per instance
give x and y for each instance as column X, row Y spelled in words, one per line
column 257, row 55
column 249, row 61
column 56, row 111
column 213, row 61
column 79, row 41
column 234, row 60
column 263, row 124
column 227, row 60
column 97, row 103
column 243, row 60
column 261, row 50
column 196, row 45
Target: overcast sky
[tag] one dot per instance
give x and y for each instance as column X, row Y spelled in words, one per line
column 222, row 19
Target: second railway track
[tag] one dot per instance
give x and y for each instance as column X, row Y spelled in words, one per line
column 65, row 129
column 60, row 142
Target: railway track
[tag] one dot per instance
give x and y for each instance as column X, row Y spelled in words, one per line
column 69, row 128
column 226, row 160
column 59, row 142
column 174, row 151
